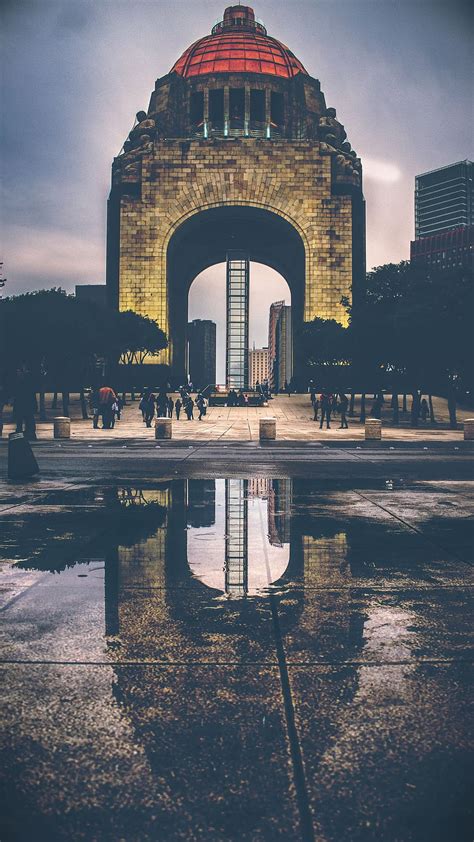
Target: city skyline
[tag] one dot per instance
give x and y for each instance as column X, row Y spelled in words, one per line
column 74, row 76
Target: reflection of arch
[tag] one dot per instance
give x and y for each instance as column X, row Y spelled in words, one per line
column 203, row 238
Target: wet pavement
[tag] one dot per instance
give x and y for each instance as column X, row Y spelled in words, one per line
column 237, row 658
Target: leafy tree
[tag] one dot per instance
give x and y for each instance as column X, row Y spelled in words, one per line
column 59, row 338
column 138, row 337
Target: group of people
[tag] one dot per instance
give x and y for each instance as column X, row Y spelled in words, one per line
column 164, row 406
column 106, row 404
column 328, row 403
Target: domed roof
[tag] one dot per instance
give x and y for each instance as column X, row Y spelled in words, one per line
column 238, row 44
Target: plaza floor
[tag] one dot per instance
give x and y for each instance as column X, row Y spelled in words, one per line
column 294, row 417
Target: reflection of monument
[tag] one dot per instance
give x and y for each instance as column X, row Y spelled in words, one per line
column 236, row 537
column 201, row 509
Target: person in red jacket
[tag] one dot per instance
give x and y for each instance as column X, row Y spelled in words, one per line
column 107, row 398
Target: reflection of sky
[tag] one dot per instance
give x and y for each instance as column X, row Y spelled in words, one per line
column 206, row 547
column 75, row 73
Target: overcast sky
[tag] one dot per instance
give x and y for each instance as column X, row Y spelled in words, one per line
column 75, row 72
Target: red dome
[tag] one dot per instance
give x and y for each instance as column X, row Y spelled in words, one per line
column 238, row 44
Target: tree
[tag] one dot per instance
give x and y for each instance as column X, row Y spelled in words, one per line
column 138, row 337
column 60, row 338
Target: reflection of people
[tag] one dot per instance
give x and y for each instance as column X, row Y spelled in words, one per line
column 24, row 404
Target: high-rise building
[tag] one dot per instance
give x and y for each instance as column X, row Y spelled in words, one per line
column 258, row 366
column 275, row 310
column 237, row 333
column 283, row 369
column 202, row 352
column 444, row 217
column 92, row 293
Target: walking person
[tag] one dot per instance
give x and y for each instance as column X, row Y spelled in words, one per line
column 107, row 398
column 95, row 408
column 170, row 407
column 325, row 401
column 343, row 404
column 150, row 409
column 315, row 403
column 424, row 410
column 177, row 408
column 24, row 404
column 189, row 409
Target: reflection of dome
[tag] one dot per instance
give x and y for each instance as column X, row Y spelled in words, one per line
column 238, row 44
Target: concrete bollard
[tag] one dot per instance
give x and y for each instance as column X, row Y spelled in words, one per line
column 469, row 429
column 267, row 429
column 373, row 429
column 62, row 428
column 163, row 428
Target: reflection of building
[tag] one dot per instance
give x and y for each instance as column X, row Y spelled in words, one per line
column 283, row 366
column 201, row 502
column 444, row 217
column 279, row 511
column 258, row 366
column 275, row 310
column 202, row 353
column 236, row 537
column 237, row 333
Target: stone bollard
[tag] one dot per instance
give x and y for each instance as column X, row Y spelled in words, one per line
column 62, row 428
column 373, row 429
column 469, row 429
column 267, row 429
column 163, row 428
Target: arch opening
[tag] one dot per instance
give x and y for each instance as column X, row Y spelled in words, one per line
column 205, row 239
column 207, row 300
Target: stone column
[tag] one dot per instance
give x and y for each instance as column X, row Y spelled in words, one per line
column 267, row 429
column 373, row 429
column 163, row 428
column 469, row 429
column 62, row 427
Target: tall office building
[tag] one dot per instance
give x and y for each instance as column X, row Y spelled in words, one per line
column 258, row 366
column 275, row 310
column 237, row 333
column 283, row 367
column 202, row 352
column 444, row 217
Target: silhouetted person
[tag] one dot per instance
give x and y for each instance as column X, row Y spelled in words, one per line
column 149, row 409
column 170, row 407
column 315, row 403
column 343, row 404
column 24, row 404
column 376, row 411
column 189, row 409
column 424, row 410
column 95, row 408
column 107, row 398
column 325, row 401
column 177, row 408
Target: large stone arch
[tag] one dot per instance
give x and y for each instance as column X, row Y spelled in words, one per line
column 203, row 239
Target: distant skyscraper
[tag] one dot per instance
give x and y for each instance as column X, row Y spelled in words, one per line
column 202, row 352
column 258, row 366
column 283, row 369
column 444, row 217
column 93, row 293
column 275, row 310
